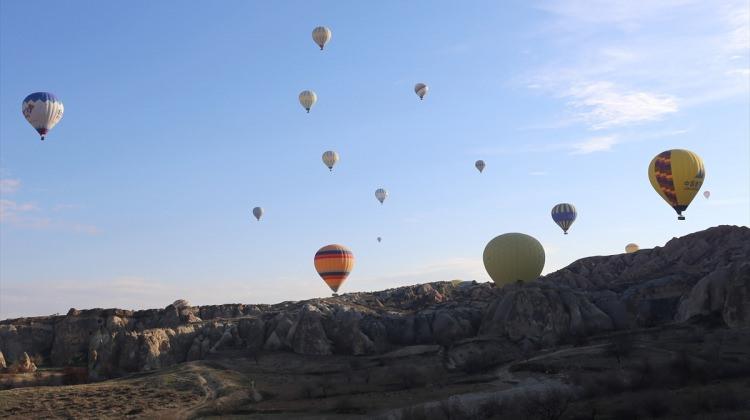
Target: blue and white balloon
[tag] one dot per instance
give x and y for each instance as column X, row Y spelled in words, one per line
column 564, row 215
column 43, row 111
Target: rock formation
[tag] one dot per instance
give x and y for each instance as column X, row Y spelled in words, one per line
column 702, row 275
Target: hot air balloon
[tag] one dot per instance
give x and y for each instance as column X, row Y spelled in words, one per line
column 512, row 257
column 564, row 215
column 677, row 175
column 379, row 239
column 631, row 248
column 258, row 212
column 707, row 194
column 43, row 111
column 307, row 99
column 421, row 90
column 321, row 35
column 479, row 165
column 334, row 263
column 381, row 195
column 330, row 158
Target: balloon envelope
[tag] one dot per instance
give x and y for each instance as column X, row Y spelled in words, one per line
column 479, row 165
column 421, row 90
column 707, row 194
column 321, row 35
column 43, row 111
column 677, row 175
column 564, row 215
column 330, row 158
column 379, row 239
column 631, row 248
column 307, row 99
column 512, row 257
column 381, row 195
column 258, row 212
column 334, row 263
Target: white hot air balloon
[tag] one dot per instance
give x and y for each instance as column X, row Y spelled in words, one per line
column 707, row 194
column 330, row 158
column 479, row 165
column 321, row 35
column 307, row 99
column 381, row 195
column 421, row 90
column 43, row 111
column 258, row 212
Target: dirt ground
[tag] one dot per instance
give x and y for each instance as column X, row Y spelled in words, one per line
column 647, row 374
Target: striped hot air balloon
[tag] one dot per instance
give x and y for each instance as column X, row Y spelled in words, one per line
column 564, row 215
column 321, row 35
column 307, row 99
column 479, row 165
column 421, row 90
column 334, row 263
column 43, row 111
column 330, row 158
column 677, row 175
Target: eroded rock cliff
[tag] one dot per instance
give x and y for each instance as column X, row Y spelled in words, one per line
column 705, row 274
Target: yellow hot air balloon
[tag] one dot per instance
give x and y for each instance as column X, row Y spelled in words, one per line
column 631, row 248
column 334, row 263
column 677, row 176
column 513, row 256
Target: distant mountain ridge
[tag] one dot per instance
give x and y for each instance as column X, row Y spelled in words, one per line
column 704, row 275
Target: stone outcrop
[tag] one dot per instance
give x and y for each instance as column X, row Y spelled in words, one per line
column 705, row 274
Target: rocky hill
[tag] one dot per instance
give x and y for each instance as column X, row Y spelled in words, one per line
column 705, row 274
column 701, row 280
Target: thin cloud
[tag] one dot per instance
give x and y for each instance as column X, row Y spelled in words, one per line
column 9, row 185
column 626, row 14
column 611, row 81
column 595, row 144
column 604, row 105
column 29, row 216
column 13, row 212
column 26, row 215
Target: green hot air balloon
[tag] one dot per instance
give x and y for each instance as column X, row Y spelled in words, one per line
column 513, row 256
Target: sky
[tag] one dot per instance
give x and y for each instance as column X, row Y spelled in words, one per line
column 180, row 117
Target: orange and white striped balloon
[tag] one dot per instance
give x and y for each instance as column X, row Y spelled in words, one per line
column 334, row 263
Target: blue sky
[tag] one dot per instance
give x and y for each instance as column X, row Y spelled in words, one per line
column 180, row 119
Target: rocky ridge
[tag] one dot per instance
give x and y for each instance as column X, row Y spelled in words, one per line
column 704, row 275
